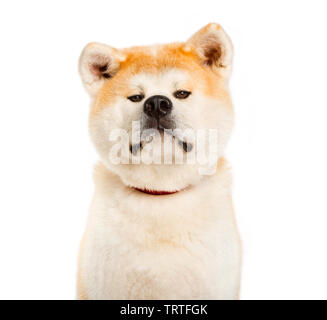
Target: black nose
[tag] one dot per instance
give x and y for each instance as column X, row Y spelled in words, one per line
column 157, row 106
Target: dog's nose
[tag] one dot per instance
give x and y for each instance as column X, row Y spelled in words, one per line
column 157, row 106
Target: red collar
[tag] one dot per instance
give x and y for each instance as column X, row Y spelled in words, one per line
column 155, row 192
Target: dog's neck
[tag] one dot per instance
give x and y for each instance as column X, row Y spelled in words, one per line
column 220, row 164
column 106, row 180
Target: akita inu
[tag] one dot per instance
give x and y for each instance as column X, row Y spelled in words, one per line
column 159, row 230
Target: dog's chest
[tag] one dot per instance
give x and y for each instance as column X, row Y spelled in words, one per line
column 136, row 259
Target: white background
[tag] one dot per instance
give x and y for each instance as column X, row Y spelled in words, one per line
column 278, row 149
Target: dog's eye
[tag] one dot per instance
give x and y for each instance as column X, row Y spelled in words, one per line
column 136, row 98
column 181, row 94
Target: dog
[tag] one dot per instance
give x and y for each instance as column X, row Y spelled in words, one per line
column 156, row 229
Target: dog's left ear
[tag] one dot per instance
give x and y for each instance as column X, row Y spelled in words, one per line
column 214, row 48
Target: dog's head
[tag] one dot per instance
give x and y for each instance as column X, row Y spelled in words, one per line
column 165, row 99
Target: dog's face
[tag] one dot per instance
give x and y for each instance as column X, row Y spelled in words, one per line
column 162, row 97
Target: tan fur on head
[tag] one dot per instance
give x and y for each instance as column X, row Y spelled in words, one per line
column 210, row 46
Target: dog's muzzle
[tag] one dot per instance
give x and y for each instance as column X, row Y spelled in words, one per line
column 157, row 115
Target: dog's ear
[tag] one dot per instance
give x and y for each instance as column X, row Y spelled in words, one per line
column 97, row 64
column 214, row 47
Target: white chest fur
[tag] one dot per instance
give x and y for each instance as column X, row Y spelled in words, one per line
column 179, row 246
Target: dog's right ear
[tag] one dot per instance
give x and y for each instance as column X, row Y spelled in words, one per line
column 97, row 64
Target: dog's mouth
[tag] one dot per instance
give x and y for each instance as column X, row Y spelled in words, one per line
column 136, row 147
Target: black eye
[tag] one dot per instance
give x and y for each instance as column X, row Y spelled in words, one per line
column 181, row 94
column 136, row 98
